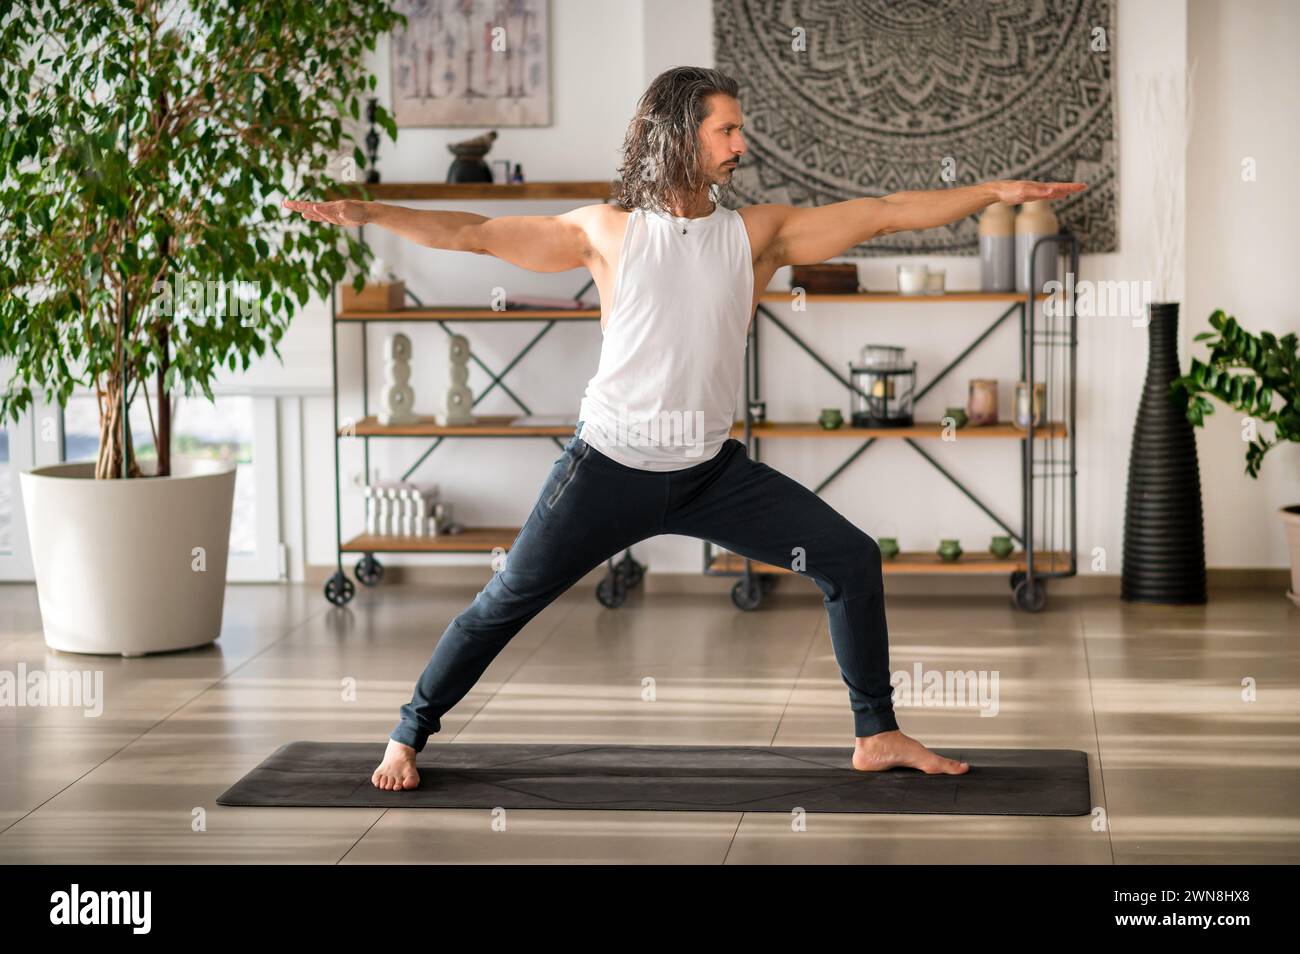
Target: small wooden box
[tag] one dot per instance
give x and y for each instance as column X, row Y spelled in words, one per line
column 375, row 296
column 825, row 279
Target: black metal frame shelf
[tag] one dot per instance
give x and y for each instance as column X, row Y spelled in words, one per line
column 623, row 574
column 1026, row 566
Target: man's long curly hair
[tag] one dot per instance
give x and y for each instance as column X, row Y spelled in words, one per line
column 663, row 165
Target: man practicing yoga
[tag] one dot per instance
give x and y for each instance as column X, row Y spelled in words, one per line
column 679, row 277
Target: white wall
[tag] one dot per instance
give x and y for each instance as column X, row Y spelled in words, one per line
column 1242, row 245
column 605, row 51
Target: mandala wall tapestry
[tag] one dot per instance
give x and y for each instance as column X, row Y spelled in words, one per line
column 846, row 98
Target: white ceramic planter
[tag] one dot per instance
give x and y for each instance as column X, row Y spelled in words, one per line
column 117, row 562
column 1291, row 517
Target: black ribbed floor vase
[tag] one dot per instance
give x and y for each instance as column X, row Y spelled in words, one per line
column 1164, row 533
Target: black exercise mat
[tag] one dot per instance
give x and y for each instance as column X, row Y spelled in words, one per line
column 667, row 778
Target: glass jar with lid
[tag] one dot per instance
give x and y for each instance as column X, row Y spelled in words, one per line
column 883, row 385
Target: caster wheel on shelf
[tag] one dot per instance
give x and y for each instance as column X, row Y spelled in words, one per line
column 747, row 597
column 369, row 570
column 1030, row 595
column 339, row 589
column 611, row 591
column 632, row 571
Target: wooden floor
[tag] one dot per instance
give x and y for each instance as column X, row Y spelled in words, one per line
column 1187, row 765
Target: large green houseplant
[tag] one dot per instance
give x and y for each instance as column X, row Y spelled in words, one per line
column 146, row 147
column 1258, row 376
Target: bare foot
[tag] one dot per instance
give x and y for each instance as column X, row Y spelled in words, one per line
column 397, row 770
column 885, row 750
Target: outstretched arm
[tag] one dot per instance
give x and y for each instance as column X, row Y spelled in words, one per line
column 539, row 243
column 807, row 236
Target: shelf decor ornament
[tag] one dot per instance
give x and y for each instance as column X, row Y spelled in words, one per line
column 1036, row 220
column 381, row 290
column 372, row 141
column 469, row 164
column 830, row 418
column 401, row 508
column 982, row 402
column 997, row 248
column 459, row 398
column 883, row 385
column 1022, row 411
column 398, row 397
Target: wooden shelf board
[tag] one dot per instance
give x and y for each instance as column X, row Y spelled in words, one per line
column 453, row 313
column 924, row 429
column 485, row 539
column 918, row 561
column 574, row 189
column 863, row 297
column 486, row 425
column 469, row 314
column 498, row 425
column 470, row 540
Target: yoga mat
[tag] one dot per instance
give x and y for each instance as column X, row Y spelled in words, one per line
column 667, row 778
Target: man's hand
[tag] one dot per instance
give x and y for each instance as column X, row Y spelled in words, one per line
column 1017, row 191
column 349, row 212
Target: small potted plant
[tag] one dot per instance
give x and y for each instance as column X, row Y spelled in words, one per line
column 1257, row 375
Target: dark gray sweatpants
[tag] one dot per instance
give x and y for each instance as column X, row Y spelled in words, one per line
column 592, row 507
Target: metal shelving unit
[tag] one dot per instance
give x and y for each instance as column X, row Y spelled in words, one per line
column 623, row 574
column 1047, row 452
column 1050, row 475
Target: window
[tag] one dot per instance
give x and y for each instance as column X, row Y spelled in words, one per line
column 7, row 483
column 17, row 452
column 235, row 428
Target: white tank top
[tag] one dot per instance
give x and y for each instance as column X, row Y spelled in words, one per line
column 665, row 394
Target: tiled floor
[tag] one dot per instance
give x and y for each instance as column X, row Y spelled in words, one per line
column 1184, row 768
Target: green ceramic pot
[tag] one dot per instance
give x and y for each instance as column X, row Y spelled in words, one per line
column 949, row 550
column 958, row 416
column 1001, row 547
column 830, row 418
column 888, row 547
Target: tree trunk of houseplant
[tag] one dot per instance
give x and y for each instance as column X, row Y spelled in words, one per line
column 164, row 437
column 109, row 462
